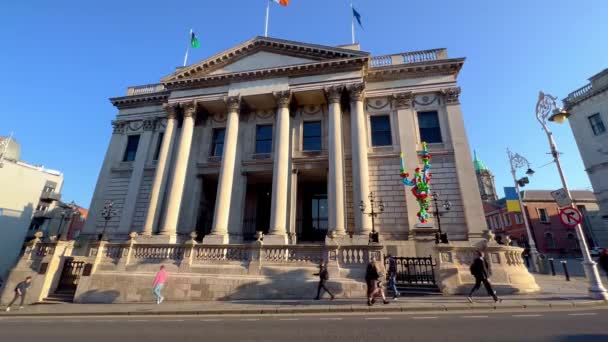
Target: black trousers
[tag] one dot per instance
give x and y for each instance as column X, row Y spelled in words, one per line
column 17, row 295
column 486, row 284
column 322, row 287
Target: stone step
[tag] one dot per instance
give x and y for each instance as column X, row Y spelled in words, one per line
column 58, row 298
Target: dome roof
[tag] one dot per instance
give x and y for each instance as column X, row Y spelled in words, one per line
column 478, row 164
column 13, row 152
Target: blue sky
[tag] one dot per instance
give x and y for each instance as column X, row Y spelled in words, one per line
column 62, row 60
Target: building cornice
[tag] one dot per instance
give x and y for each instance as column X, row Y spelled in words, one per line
column 133, row 101
column 429, row 68
column 573, row 100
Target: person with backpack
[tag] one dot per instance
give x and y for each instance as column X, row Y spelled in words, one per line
column 481, row 271
column 20, row 292
column 323, row 278
column 392, row 276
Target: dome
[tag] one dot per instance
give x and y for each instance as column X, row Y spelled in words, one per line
column 478, row 164
column 13, row 151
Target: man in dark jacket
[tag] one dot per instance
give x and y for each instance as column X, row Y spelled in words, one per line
column 323, row 278
column 20, row 291
column 480, row 270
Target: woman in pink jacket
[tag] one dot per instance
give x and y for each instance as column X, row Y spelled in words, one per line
column 159, row 283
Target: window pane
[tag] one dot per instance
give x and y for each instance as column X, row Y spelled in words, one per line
column 311, row 144
column 161, row 136
column 264, row 132
column 264, row 146
column 218, row 142
column 131, row 149
column 381, row 130
column 597, row 125
column 312, row 129
column 263, row 139
column 428, row 123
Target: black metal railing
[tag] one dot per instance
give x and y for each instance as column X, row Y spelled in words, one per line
column 70, row 275
column 414, row 270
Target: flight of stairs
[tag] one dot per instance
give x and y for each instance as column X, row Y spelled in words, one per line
column 58, row 298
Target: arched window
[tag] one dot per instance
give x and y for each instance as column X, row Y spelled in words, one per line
column 572, row 242
column 550, row 241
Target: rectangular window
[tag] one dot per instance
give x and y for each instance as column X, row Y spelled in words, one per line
column 48, row 189
column 217, row 146
column 597, row 125
column 428, row 123
column 312, row 136
column 161, row 136
column 543, row 216
column 518, row 219
column 263, row 139
column 381, row 130
column 507, row 220
column 131, row 150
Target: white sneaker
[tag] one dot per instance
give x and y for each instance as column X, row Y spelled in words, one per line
column 21, row 307
column 157, row 300
column 161, row 300
column 470, row 299
column 8, row 309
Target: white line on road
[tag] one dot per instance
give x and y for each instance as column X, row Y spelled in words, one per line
column 105, row 320
column 210, row 320
column 473, row 316
column 172, row 320
column 73, row 320
column 139, row 320
column 426, row 317
column 526, row 315
column 289, row 319
column 376, row 318
column 583, row 314
column 250, row 319
column 330, row 318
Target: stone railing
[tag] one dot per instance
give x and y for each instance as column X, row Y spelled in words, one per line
column 45, row 248
column 578, row 93
column 158, row 252
column 409, row 57
column 145, row 89
column 210, row 254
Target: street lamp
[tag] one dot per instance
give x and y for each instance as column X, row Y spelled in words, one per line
column 375, row 206
column 546, row 106
column 517, row 161
column 440, row 237
column 107, row 213
column 67, row 214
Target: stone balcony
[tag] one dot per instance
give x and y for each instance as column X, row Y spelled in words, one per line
column 409, row 57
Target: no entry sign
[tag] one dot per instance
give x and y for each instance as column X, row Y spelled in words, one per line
column 570, row 216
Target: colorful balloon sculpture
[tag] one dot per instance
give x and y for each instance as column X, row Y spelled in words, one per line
column 419, row 182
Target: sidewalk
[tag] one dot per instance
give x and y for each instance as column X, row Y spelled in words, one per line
column 556, row 293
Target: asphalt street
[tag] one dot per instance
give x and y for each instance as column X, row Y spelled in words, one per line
column 587, row 325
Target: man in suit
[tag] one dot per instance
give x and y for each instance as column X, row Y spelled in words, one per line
column 480, row 270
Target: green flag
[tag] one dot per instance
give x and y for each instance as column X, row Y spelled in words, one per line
column 194, row 43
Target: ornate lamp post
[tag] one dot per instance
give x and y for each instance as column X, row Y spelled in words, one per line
column 107, row 213
column 376, row 208
column 517, row 161
column 440, row 237
column 67, row 214
column 546, row 106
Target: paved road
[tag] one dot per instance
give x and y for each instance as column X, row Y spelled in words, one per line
column 588, row 325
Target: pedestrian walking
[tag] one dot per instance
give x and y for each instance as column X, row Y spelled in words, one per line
column 480, row 270
column 159, row 283
column 20, row 292
column 374, row 272
column 392, row 276
column 323, row 278
column 603, row 261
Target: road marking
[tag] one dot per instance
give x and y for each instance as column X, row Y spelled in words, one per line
column 426, row 317
column 376, row 318
column 583, row 314
column 173, row 320
column 526, row 315
column 139, row 320
column 105, row 320
column 330, row 318
column 473, row 316
column 289, row 319
column 210, row 320
column 250, row 319
column 73, row 320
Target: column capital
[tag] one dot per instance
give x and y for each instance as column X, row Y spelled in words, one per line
column 233, row 103
column 357, row 91
column 119, row 127
column 171, row 109
column 451, row 95
column 189, row 108
column 334, row 93
column 283, row 98
column 403, row 100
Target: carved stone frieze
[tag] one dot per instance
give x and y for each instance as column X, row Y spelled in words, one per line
column 451, row 95
column 283, row 98
column 377, row 103
column 149, row 124
column 334, row 93
column 357, row 91
column 119, row 127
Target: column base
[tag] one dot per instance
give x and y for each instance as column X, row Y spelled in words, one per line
column 215, row 239
column 275, row 239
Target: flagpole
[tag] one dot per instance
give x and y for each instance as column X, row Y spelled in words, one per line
column 352, row 22
column 267, row 15
column 188, row 48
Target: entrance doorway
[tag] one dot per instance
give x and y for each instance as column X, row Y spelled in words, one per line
column 206, row 207
column 257, row 206
column 313, row 222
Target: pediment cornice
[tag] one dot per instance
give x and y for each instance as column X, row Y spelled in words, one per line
column 257, row 44
column 428, row 68
column 132, row 101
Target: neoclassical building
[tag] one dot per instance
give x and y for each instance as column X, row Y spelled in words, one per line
column 287, row 138
column 242, row 172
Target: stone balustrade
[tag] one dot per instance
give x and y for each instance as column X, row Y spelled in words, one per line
column 409, row 57
column 579, row 93
column 145, row 89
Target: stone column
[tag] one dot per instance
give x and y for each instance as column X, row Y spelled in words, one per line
column 363, row 223
column 162, row 168
column 219, row 230
column 128, row 209
column 335, row 179
column 467, row 182
column 408, row 140
column 176, row 191
column 280, row 191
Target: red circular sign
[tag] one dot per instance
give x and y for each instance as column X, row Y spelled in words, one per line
column 570, row 216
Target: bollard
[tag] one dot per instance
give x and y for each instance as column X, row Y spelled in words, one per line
column 552, row 266
column 565, row 266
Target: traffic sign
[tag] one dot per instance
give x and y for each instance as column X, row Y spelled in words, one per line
column 561, row 197
column 570, row 216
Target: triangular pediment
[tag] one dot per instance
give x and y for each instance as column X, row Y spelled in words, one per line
column 262, row 53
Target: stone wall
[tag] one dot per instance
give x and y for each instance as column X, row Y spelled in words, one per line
column 385, row 182
column 116, row 191
column 445, row 183
column 143, row 199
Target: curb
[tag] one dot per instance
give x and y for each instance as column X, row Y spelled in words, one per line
column 320, row 310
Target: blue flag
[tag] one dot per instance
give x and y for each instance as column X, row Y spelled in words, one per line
column 357, row 16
